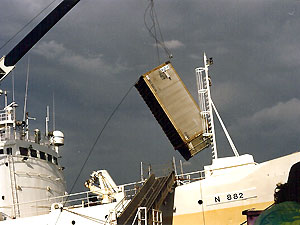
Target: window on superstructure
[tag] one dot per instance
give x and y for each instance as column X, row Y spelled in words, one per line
column 33, row 153
column 1, row 151
column 49, row 158
column 42, row 155
column 9, row 151
column 23, row 151
column 55, row 160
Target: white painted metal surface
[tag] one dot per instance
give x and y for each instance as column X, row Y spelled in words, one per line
column 4, row 70
column 205, row 103
column 29, row 169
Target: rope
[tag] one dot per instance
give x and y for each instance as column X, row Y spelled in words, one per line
column 99, row 135
column 97, row 139
column 152, row 30
column 26, row 25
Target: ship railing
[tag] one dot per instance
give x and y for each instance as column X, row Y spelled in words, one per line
column 5, row 133
column 8, row 133
column 5, row 117
column 187, row 178
column 43, row 206
column 76, row 200
column 31, row 208
column 130, row 190
column 120, row 207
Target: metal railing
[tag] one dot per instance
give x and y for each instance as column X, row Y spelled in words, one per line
column 8, row 133
column 4, row 116
column 76, row 200
column 187, row 178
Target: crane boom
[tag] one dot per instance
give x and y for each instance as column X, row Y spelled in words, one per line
column 8, row 62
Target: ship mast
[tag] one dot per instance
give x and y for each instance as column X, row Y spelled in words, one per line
column 205, row 103
column 207, row 107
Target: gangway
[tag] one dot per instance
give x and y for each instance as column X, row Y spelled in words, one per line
column 151, row 195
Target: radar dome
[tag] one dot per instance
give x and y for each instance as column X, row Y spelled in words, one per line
column 58, row 138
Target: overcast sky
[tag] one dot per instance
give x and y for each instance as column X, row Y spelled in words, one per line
column 92, row 57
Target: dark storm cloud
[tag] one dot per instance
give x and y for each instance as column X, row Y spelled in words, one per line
column 94, row 55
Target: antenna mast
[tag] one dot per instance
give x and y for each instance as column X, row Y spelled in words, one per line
column 26, row 92
column 53, row 112
column 47, row 122
column 205, row 103
column 207, row 106
column 13, row 85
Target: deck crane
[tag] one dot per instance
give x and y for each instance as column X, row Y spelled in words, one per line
column 8, row 62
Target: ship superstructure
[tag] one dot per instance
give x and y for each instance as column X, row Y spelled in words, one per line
column 29, row 166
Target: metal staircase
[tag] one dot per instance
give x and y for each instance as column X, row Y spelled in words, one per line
column 151, row 196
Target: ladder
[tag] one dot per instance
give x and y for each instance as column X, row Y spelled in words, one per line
column 141, row 217
column 205, row 103
column 207, row 107
column 11, row 165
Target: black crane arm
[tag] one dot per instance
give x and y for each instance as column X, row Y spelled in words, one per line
column 8, row 62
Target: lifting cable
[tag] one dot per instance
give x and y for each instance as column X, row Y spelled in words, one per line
column 99, row 135
column 154, row 28
column 26, row 25
column 95, row 142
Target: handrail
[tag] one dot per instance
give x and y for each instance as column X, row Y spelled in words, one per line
column 187, row 177
column 74, row 200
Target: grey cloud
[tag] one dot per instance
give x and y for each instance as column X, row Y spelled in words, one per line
column 53, row 50
column 173, row 44
column 276, row 119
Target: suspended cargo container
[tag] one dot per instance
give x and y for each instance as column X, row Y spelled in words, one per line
column 175, row 109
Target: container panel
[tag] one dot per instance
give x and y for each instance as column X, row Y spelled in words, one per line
column 174, row 108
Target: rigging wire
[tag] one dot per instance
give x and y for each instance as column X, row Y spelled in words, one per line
column 96, row 141
column 53, row 110
column 26, row 90
column 152, row 13
column 26, row 25
column 86, row 217
column 154, row 28
column 13, row 85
